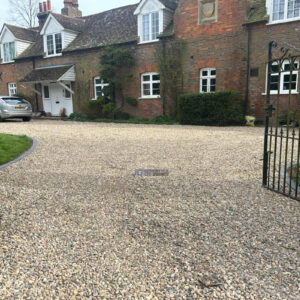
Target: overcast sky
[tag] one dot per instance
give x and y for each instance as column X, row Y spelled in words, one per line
column 88, row 7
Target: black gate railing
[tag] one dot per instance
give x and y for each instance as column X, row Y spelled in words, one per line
column 282, row 141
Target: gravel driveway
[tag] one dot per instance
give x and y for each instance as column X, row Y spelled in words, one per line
column 76, row 224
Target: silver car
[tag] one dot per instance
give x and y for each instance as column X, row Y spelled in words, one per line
column 15, row 107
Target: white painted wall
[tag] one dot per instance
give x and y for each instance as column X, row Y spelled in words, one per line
column 69, row 37
column 167, row 18
column 21, row 46
column 69, row 75
column 52, row 26
column 7, row 37
column 269, row 6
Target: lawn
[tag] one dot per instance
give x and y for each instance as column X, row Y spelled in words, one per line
column 12, row 146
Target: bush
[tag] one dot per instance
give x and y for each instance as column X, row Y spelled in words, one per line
column 95, row 108
column 120, row 115
column 131, row 101
column 78, row 117
column 217, row 109
column 162, row 120
column 108, row 109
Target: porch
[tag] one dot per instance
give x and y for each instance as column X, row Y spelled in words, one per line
column 54, row 85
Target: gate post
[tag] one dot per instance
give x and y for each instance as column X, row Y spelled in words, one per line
column 268, row 111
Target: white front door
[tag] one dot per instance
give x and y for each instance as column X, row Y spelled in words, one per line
column 56, row 99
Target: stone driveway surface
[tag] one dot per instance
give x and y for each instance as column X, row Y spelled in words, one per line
column 75, row 223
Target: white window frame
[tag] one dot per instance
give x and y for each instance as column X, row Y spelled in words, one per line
column 282, row 74
column 208, row 77
column 12, row 88
column 285, row 18
column 54, row 44
column 150, row 15
column 65, row 91
column 3, row 54
column 151, row 82
column 103, row 84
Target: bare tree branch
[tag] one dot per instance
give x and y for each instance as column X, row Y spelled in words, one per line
column 24, row 12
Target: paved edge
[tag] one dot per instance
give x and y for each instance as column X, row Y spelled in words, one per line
column 23, row 155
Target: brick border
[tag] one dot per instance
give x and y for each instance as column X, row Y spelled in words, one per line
column 23, row 155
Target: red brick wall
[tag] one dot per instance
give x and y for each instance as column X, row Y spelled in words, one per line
column 285, row 34
column 220, row 44
column 145, row 62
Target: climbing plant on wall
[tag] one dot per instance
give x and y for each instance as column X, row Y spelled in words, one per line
column 169, row 57
column 115, row 64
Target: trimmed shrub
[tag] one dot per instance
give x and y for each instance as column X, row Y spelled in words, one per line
column 214, row 109
column 120, row 115
column 162, row 120
column 78, row 117
column 131, row 101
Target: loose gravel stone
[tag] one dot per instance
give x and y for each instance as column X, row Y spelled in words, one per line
column 75, row 223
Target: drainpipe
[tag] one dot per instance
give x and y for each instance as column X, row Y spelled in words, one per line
column 164, row 83
column 35, row 87
column 248, row 31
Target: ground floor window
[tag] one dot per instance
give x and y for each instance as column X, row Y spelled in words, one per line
column 99, row 85
column 150, row 85
column 46, row 92
column 67, row 93
column 12, row 89
column 208, row 80
column 285, row 79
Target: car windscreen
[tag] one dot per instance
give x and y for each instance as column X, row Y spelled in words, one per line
column 14, row 101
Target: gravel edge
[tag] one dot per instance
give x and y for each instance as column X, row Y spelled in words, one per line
column 23, row 155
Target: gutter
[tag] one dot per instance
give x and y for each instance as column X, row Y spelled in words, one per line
column 35, row 87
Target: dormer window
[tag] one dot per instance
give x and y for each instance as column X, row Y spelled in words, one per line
column 9, row 52
column 154, row 16
column 150, row 27
column 54, row 44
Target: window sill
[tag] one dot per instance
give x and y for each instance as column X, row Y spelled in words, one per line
column 281, row 93
column 55, row 55
column 283, row 21
column 149, row 97
column 7, row 62
column 148, row 42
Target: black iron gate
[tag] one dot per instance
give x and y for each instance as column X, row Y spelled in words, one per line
column 282, row 141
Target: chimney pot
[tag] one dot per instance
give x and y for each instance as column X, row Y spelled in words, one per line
column 41, row 7
column 44, row 6
column 49, row 5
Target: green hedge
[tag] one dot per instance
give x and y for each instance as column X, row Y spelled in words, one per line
column 216, row 109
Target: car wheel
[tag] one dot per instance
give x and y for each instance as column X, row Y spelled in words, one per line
column 26, row 119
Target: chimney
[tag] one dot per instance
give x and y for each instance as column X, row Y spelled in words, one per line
column 71, row 9
column 45, row 8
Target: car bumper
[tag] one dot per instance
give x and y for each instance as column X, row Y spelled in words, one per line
column 12, row 115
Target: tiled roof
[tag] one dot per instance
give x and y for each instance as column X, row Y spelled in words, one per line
column 23, row 33
column 75, row 24
column 257, row 12
column 116, row 26
column 172, row 4
column 46, row 74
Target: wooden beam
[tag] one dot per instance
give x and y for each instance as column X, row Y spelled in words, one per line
column 66, row 87
column 32, row 89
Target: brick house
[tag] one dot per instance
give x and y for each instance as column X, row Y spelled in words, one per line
column 225, row 49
